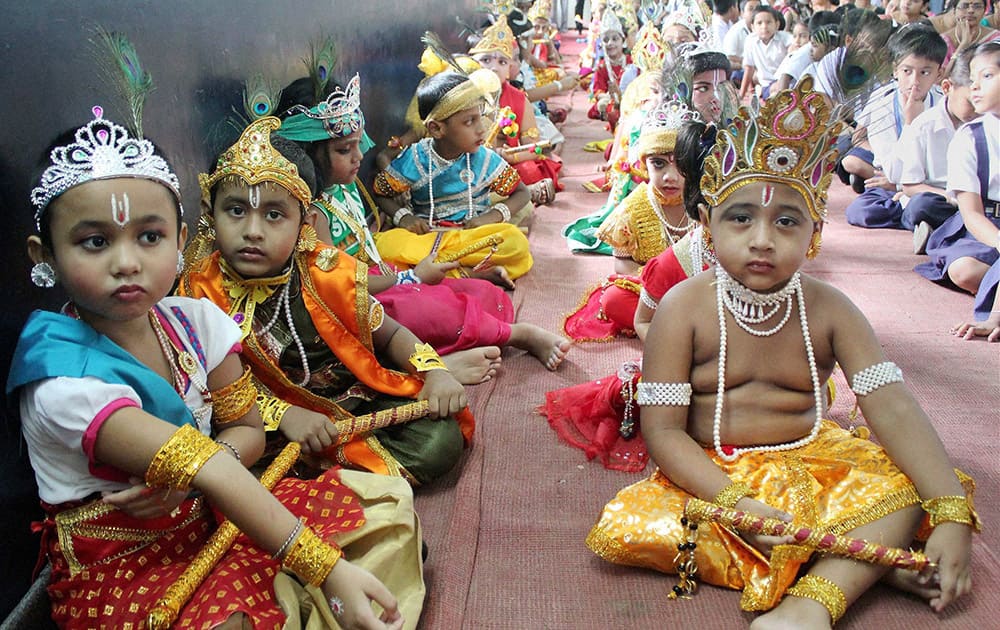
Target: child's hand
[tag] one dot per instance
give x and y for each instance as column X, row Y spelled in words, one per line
column 414, row 224
column 912, row 106
column 950, row 546
column 431, row 272
column 989, row 328
column 879, row 180
column 141, row 501
column 485, row 218
column 356, row 588
column 443, row 393
column 764, row 544
column 313, row 431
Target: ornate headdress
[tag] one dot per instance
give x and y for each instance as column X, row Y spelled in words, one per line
column 611, row 24
column 625, row 11
column 541, row 9
column 101, row 150
column 789, row 141
column 691, row 14
column 340, row 115
column 660, row 127
column 649, row 51
column 254, row 160
column 496, row 38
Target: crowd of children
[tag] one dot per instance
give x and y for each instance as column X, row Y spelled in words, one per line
column 301, row 324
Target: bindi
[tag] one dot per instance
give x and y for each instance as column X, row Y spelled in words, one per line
column 120, row 212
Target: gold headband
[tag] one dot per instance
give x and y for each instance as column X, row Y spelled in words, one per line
column 254, row 160
column 496, row 38
column 659, row 130
column 463, row 96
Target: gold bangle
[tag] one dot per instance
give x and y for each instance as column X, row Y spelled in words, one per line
column 310, row 558
column 425, row 358
column 233, row 401
column 180, row 458
column 952, row 509
column 822, row 590
column 272, row 410
column 729, row 496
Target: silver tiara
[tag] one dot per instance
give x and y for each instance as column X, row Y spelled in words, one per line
column 341, row 111
column 102, row 150
column 669, row 115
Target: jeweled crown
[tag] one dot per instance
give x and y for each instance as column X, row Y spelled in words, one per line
column 650, row 50
column 541, row 9
column 254, row 160
column 611, row 24
column 789, row 141
column 340, row 111
column 659, row 129
column 691, row 14
column 496, row 38
column 101, row 150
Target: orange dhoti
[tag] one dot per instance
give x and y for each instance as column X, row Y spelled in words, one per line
column 836, row 483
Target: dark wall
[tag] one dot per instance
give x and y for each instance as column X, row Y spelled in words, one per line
column 199, row 53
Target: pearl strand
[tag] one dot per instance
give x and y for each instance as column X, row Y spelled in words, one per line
column 749, row 307
column 720, row 292
column 671, row 229
column 284, row 304
column 176, row 358
column 432, row 156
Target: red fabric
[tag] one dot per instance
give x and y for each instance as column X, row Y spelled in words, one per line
column 589, row 416
column 619, row 306
column 531, row 171
column 591, row 322
column 458, row 314
column 662, row 272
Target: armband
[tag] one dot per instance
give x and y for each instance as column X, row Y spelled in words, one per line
column 666, row 394
column 425, row 358
column 952, row 509
column 504, row 211
column 407, row 277
column 647, row 299
column 233, row 401
column 398, row 216
column 875, row 376
column 180, row 458
column 729, row 496
column 272, row 410
column 310, row 558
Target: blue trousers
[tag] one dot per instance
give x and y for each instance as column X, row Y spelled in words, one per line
column 875, row 208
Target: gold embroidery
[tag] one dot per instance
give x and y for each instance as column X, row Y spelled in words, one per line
column 327, row 259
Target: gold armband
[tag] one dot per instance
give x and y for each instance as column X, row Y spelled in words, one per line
column 822, row 590
column 425, row 358
column 180, row 458
column 233, row 401
column 310, row 558
column 952, row 509
column 272, row 410
column 729, row 496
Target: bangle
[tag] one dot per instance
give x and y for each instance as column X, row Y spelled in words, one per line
column 504, row 211
column 407, row 277
column 425, row 358
column 180, row 458
column 310, row 558
column 291, row 536
column 236, row 451
column 952, row 509
column 822, row 590
column 402, row 212
column 272, row 410
column 233, row 401
column 394, row 143
column 729, row 496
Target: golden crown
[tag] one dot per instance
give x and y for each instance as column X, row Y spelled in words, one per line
column 650, row 49
column 659, row 129
column 254, row 160
column 496, row 38
column 541, row 9
column 789, row 141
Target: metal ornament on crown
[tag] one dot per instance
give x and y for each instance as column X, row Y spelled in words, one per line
column 660, row 127
column 790, row 141
column 340, row 112
column 101, row 150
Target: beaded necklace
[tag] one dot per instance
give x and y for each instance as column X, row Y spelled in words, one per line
column 669, row 228
column 748, row 308
column 182, row 363
column 466, row 175
column 284, row 304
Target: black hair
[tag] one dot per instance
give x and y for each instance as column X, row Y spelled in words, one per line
column 824, row 24
column 695, row 140
column 298, row 92
column 297, row 156
column 432, row 89
column 723, row 6
column 709, row 60
column 766, row 9
column 958, row 67
column 987, row 48
column 918, row 40
column 743, row 3
column 856, row 20
column 45, row 160
column 301, row 92
column 951, row 4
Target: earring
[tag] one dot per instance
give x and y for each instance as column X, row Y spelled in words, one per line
column 180, row 262
column 43, row 275
column 706, row 236
column 814, row 245
column 307, row 239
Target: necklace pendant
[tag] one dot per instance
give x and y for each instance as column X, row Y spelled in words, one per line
column 187, row 363
column 466, row 175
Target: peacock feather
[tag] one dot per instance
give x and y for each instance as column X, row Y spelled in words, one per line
column 260, row 97
column 322, row 58
column 865, row 65
column 432, row 41
column 119, row 61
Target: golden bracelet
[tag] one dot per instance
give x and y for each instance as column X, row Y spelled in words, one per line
column 272, row 410
column 425, row 358
column 822, row 590
column 180, row 458
column 952, row 509
column 729, row 496
column 233, row 401
column 310, row 558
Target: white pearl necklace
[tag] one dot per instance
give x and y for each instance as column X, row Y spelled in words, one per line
column 751, row 308
column 725, row 288
column 466, row 175
column 669, row 228
column 283, row 305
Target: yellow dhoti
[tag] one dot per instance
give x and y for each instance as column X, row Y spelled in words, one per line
column 836, row 483
column 404, row 249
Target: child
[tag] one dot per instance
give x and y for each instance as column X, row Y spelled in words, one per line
column 605, row 91
column 917, row 53
column 800, row 37
column 726, row 420
column 310, row 330
column 969, row 31
column 119, row 393
column 964, row 247
column 735, row 41
column 986, row 313
column 822, row 30
column 471, row 317
column 450, row 176
column 763, row 52
column 540, row 172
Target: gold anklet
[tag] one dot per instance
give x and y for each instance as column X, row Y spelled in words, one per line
column 822, row 590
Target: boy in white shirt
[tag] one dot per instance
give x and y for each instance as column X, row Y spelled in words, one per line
column 736, row 37
column 823, row 37
column 763, row 52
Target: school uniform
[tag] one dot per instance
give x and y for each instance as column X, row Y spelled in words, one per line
column 766, row 57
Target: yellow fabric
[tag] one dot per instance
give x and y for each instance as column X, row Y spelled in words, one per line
column 836, row 483
column 405, row 249
column 633, row 228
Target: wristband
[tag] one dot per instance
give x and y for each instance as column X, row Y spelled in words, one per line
column 402, row 212
column 951, row 509
column 425, row 358
column 407, row 277
column 504, row 211
column 729, row 496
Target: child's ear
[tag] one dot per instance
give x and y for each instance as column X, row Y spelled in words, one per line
column 704, row 213
column 37, row 252
column 946, row 86
column 309, row 216
column 434, row 129
column 182, row 236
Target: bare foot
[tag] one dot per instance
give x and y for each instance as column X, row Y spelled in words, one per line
column 473, row 366
column 794, row 613
column 497, row 275
column 909, row 582
column 547, row 347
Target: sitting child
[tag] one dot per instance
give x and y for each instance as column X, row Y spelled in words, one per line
column 121, row 394
column 727, row 421
column 311, row 332
column 605, row 88
column 450, row 175
column 763, row 52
